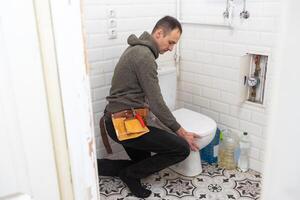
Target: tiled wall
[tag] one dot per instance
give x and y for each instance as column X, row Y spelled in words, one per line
column 209, row 68
column 210, row 56
column 132, row 16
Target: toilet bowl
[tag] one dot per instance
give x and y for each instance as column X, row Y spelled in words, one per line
column 203, row 126
column 191, row 121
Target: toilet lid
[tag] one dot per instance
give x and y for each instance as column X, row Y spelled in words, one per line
column 194, row 121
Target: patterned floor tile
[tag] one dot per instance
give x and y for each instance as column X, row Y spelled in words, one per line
column 179, row 187
column 213, row 183
column 110, row 186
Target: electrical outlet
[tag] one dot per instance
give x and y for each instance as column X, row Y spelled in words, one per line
column 111, row 13
column 112, row 23
column 112, row 33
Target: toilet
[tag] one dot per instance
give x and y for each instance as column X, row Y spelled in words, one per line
column 190, row 120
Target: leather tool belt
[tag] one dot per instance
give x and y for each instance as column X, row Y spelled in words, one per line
column 128, row 124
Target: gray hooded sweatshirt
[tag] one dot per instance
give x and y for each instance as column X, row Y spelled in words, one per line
column 135, row 82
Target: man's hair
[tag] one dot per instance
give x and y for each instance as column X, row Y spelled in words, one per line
column 167, row 24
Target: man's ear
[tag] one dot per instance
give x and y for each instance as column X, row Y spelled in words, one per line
column 159, row 33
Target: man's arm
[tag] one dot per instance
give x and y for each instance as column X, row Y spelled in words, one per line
column 145, row 68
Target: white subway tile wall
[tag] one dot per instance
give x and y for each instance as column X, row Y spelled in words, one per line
column 132, row 17
column 210, row 57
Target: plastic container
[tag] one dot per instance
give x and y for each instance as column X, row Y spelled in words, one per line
column 243, row 161
column 228, row 144
column 210, row 153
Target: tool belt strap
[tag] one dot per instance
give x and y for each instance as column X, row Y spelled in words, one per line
column 103, row 132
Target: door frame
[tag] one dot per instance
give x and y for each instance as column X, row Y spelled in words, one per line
column 69, row 99
column 29, row 156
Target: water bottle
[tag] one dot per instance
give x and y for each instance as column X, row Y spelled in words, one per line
column 243, row 161
column 226, row 151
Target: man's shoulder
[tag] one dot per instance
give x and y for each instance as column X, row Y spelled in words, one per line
column 141, row 51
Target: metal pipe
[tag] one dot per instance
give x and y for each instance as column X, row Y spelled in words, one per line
column 226, row 12
column 178, row 16
column 207, row 24
column 177, row 52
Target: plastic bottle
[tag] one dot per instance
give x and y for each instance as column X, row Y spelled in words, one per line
column 226, row 151
column 237, row 151
column 221, row 150
column 243, row 162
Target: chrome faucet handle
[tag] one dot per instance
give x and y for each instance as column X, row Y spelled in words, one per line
column 245, row 14
column 226, row 14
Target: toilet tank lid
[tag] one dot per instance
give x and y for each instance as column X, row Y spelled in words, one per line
column 194, row 122
column 166, row 70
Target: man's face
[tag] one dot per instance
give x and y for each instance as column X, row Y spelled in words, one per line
column 168, row 41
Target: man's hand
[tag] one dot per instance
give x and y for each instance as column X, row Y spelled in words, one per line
column 190, row 137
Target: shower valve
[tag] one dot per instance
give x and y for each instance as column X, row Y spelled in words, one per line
column 245, row 14
column 226, row 14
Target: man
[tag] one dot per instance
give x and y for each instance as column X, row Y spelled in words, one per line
column 135, row 85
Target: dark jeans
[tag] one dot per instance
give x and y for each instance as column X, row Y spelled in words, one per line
column 169, row 148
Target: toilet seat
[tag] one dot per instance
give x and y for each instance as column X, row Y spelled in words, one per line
column 194, row 121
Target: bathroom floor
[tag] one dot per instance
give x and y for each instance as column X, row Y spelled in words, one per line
column 213, row 183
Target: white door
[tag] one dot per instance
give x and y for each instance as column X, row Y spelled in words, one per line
column 28, row 149
column 27, row 161
column 75, row 88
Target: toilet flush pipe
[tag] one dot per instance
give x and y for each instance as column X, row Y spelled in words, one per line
column 178, row 16
column 178, row 13
column 177, row 51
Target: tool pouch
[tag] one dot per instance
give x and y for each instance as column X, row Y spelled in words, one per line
column 128, row 127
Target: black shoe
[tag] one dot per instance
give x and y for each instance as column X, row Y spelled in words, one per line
column 135, row 186
column 108, row 167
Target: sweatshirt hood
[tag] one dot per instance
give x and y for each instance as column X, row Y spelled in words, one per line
column 146, row 40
